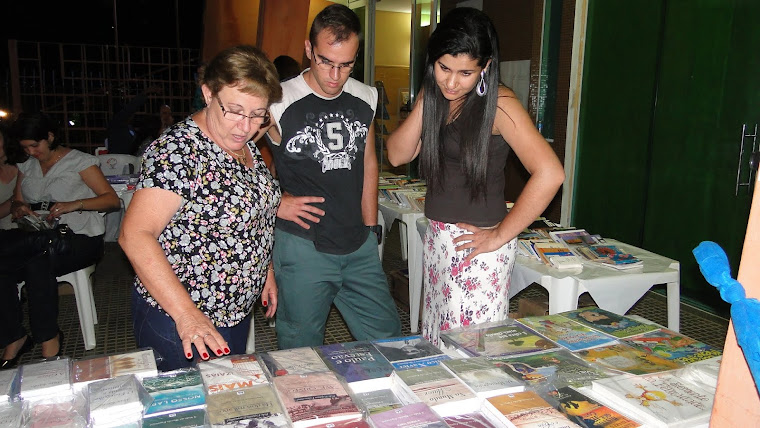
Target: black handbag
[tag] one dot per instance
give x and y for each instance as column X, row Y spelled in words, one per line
column 17, row 246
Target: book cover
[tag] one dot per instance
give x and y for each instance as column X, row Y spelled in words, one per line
column 607, row 322
column 417, row 415
column 255, row 406
column 573, row 237
column 565, row 332
column 409, row 352
column 670, row 345
column 558, row 368
column 11, row 414
column 9, row 384
column 175, row 391
column 528, row 410
column 187, row 419
column 317, row 397
column 293, row 361
column 491, row 339
column 56, row 414
column 627, row 359
column 434, row 385
column 45, row 378
column 356, row 361
column 377, row 401
column 587, row 412
column 471, row 420
column 231, row 372
column 612, row 255
column 661, row 399
column 483, row 377
column 557, row 255
column 141, row 363
column 114, row 400
column 89, row 370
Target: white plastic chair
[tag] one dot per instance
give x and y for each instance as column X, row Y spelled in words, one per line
column 81, row 281
column 381, row 221
column 119, row 164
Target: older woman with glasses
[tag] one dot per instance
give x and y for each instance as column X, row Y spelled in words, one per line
column 199, row 229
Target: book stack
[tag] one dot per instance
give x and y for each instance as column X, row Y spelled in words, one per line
column 404, row 191
column 64, row 411
column 11, row 414
column 628, row 359
column 527, row 409
column 231, row 373
column 141, row 363
column 359, row 364
column 618, row 326
column 188, row 419
column 254, row 406
column 566, row 332
column 550, row 369
column 610, row 256
column 46, row 380
column 659, row 400
column 315, row 398
column 379, row 400
column 409, row 352
column 436, row 386
column 293, row 361
column 495, row 338
column 174, row 391
column 9, row 385
column 483, row 376
column 670, row 345
column 556, row 255
column 587, row 412
column 411, row 415
column 115, row 402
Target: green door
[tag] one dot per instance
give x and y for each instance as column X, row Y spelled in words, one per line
column 683, row 173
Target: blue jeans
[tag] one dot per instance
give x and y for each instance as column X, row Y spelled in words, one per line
column 155, row 329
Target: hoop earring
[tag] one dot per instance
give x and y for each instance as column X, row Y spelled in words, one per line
column 482, row 88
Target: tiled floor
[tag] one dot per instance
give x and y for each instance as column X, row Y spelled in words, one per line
column 113, row 282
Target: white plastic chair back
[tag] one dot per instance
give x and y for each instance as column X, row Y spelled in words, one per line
column 119, row 164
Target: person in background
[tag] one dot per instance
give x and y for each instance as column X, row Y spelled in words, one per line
column 199, row 228
column 462, row 126
column 287, row 67
column 72, row 187
column 8, row 175
column 327, row 234
column 122, row 136
column 167, row 120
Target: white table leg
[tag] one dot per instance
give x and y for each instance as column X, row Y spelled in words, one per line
column 674, row 305
column 415, row 274
column 403, row 230
column 563, row 294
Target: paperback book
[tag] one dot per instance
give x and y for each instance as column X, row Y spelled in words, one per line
column 628, row 359
column 496, row 338
column 670, row 345
column 704, row 373
column 587, row 412
column 254, row 406
column 472, row 420
column 528, row 410
column 187, row 419
column 116, row 401
column 566, row 333
column 557, row 255
column 409, row 352
column 315, row 398
column 11, row 414
column 293, row 361
column 435, row 385
column 607, row 322
column 231, row 372
column 554, row 368
column 141, row 363
column 357, row 362
column 483, row 377
column 417, row 415
column 659, row 400
column 371, row 402
column 175, row 391
column 610, row 256
column 45, row 379
column 9, row 384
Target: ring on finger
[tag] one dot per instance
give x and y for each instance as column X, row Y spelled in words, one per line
column 195, row 336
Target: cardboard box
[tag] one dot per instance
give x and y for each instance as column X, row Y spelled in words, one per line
column 533, row 307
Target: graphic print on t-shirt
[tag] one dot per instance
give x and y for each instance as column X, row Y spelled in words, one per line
column 330, row 139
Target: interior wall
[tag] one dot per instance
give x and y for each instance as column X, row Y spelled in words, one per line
column 227, row 23
column 271, row 37
column 392, row 38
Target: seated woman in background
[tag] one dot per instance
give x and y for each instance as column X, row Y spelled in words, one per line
column 199, row 230
column 8, row 174
column 75, row 191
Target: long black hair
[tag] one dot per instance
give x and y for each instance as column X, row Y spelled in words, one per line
column 470, row 32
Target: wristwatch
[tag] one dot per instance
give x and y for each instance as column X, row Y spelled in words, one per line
column 378, row 230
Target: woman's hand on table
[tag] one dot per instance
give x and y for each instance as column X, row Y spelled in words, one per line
column 194, row 328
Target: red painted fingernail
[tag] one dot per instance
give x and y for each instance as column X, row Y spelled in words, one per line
column 205, row 356
column 218, row 352
column 189, row 355
column 264, row 302
column 226, row 350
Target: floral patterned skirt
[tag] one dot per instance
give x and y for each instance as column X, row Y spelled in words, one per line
column 458, row 294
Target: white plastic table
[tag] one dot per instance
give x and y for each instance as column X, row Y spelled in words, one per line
column 411, row 245
column 613, row 290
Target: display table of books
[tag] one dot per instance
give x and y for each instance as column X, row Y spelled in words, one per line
column 582, row 368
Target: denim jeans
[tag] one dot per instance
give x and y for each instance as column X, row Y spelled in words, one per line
column 155, row 329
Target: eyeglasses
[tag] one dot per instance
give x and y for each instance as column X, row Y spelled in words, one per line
column 328, row 66
column 257, row 119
